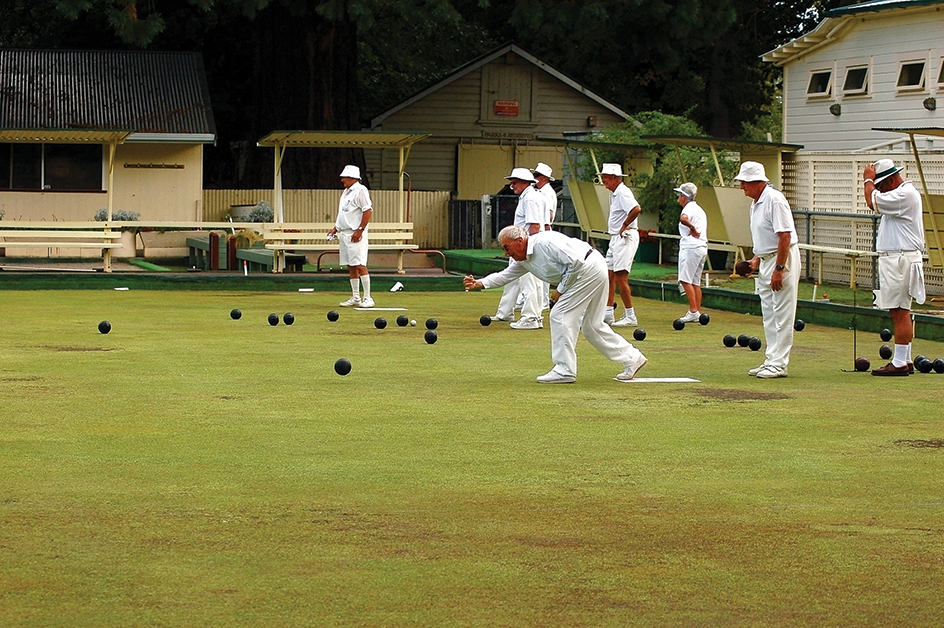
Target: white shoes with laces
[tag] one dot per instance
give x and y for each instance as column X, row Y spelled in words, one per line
column 553, row 377
column 631, row 369
column 691, row 317
column 770, row 372
column 528, row 323
column 367, row 302
column 352, row 302
column 626, row 321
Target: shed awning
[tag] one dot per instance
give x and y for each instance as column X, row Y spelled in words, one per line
column 931, row 130
column 724, row 143
column 340, row 139
column 64, row 136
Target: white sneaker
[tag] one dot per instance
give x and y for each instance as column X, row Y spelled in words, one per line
column 626, row 321
column 528, row 323
column 352, row 302
column 500, row 319
column 691, row 317
column 757, row 369
column 553, row 377
column 367, row 302
column 631, row 369
column 770, row 372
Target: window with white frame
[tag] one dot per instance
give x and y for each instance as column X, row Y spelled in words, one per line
column 856, row 82
column 911, row 75
column 940, row 74
column 820, row 85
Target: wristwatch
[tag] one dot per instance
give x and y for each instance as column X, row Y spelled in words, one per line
column 780, row 267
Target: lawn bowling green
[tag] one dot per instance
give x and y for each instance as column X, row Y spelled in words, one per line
column 189, row 468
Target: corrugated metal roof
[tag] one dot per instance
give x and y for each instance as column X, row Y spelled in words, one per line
column 148, row 92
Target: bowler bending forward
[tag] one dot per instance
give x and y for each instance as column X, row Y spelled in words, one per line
column 582, row 284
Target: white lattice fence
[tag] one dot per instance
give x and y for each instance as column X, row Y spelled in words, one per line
column 820, row 184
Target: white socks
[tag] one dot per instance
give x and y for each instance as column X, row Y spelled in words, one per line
column 365, row 281
column 901, row 354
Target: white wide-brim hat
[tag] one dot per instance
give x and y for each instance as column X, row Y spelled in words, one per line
column 751, row 171
column 521, row 173
column 614, row 169
column 351, row 172
column 544, row 170
column 884, row 168
column 688, row 189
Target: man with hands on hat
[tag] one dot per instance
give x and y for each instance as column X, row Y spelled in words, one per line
column 900, row 245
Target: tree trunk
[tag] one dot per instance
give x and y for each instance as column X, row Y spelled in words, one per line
column 305, row 78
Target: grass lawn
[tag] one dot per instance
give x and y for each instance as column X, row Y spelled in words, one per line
column 188, row 469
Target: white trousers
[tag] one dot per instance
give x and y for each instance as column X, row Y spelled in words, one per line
column 581, row 309
column 530, row 286
column 779, row 308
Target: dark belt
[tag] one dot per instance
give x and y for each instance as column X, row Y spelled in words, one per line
column 587, row 255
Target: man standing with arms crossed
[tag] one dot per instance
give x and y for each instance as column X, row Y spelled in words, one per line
column 530, row 216
column 900, row 245
column 354, row 213
column 624, row 240
column 777, row 262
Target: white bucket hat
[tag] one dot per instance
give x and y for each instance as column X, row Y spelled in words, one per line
column 750, row 172
column 544, row 170
column 352, row 172
column 614, row 169
column 884, row 168
column 688, row 189
column 521, row 173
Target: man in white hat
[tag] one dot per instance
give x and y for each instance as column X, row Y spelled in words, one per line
column 777, row 262
column 693, row 249
column 354, row 213
column 900, row 245
column 624, row 241
column 530, row 215
column 581, row 277
column 543, row 174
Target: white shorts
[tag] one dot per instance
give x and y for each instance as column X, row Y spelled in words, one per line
column 622, row 250
column 901, row 277
column 691, row 261
column 352, row 253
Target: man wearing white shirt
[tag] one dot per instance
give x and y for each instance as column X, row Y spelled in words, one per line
column 900, row 245
column 354, row 213
column 693, row 249
column 530, row 216
column 624, row 240
column 543, row 174
column 777, row 262
column 581, row 276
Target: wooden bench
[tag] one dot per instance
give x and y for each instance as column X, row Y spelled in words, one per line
column 51, row 235
column 282, row 238
column 262, row 259
column 199, row 253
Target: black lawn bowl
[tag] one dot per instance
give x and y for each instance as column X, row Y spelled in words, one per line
column 704, row 319
column 431, row 323
column 639, row 334
column 729, row 340
column 938, row 365
column 678, row 325
column 342, row 366
column 273, row 319
column 403, row 320
column 380, row 322
column 885, row 335
column 862, row 364
column 924, row 366
column 333, row 315
column 431, row 337
column 485, row 320
column 799, row 325
column 754, row 343
column 744, row 340
column 104, row 327
column 288, row 318
column 884, row 352
column 235, row 314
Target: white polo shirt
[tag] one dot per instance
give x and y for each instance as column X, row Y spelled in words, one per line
column 770, row 215
column 698, row 217
column 355, row 200
column 530, row 209
column 901, row 227
column 551, row 257
column 550, row 199
column 622, row 202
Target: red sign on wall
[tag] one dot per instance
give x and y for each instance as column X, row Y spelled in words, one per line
column 506, row 108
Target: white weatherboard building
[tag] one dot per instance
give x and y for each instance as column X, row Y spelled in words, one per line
column 874, row 65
